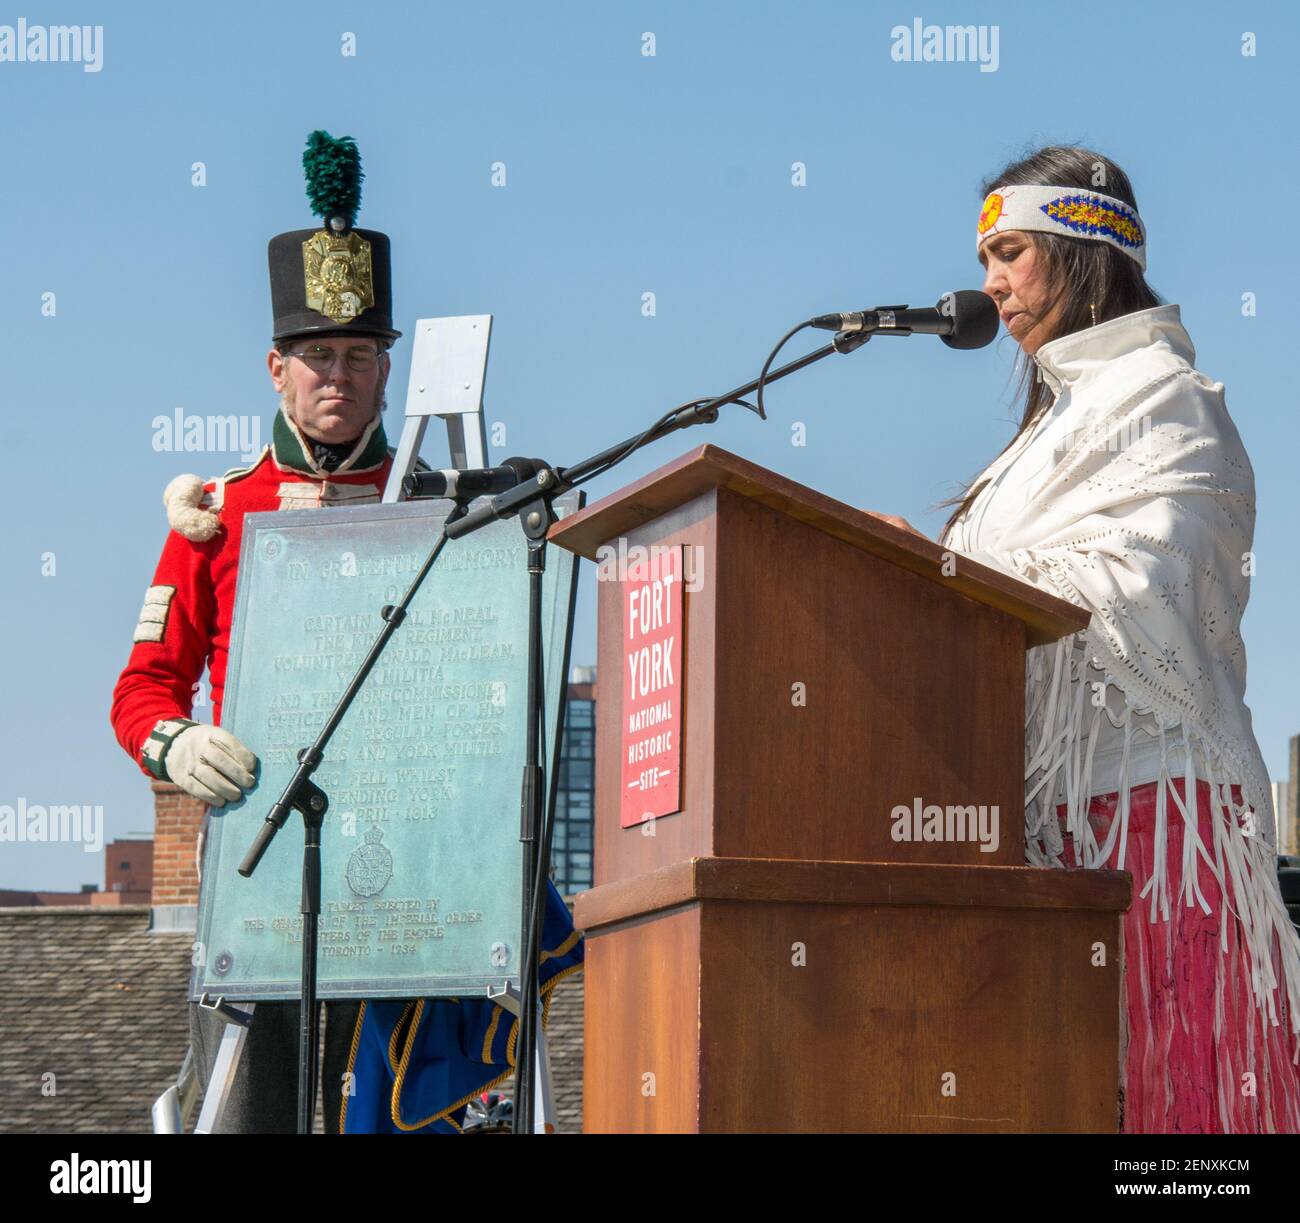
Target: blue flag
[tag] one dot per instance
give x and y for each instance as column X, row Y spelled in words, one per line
column 417, row 1064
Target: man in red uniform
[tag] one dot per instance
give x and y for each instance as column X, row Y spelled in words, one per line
column 331, row 299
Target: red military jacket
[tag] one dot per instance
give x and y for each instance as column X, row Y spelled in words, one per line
column 185, row 621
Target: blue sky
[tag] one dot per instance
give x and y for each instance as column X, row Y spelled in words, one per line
column 625, row 174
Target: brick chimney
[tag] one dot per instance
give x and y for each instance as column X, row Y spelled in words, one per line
column 175, row 872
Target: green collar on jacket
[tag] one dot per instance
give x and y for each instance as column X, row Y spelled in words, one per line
column 292, row 452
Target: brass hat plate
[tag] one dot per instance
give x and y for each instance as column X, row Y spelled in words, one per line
column 337, row 274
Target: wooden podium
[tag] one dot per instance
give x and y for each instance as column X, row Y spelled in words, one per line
column 771, row 959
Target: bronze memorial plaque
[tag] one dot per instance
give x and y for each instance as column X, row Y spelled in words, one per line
column 421, row 860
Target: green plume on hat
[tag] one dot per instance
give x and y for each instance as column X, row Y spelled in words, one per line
column 334, row 174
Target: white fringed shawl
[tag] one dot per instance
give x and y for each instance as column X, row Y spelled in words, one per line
column 1132, row 497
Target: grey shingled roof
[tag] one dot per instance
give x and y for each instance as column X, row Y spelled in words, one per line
column 89, row 995
column 565, row 1039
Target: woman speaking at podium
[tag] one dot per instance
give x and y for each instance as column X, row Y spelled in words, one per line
column 1127, row 491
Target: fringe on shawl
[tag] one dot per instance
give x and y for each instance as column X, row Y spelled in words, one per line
column 1058, row 768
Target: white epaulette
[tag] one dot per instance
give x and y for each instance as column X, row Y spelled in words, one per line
column 191, row 510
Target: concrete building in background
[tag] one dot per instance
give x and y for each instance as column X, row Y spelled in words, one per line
column 1281, row 802
column 1286, row 802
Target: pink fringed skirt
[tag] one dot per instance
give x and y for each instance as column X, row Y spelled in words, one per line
column 1200, row 1056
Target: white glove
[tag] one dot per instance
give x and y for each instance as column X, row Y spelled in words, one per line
column 210, row 764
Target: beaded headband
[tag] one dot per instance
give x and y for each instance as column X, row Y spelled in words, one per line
column 1064, row 210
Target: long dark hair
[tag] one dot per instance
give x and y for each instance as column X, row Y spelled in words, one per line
column 1080, row 272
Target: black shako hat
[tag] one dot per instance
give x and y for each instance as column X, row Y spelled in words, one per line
column 336, row 280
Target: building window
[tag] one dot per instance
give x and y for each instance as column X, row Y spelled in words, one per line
column 572, row 843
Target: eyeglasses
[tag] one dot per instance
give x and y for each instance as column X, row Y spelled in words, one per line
column 321, row 358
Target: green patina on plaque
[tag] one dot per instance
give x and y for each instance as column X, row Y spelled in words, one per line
column 421, row 859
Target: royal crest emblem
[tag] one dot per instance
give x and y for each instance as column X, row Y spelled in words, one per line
column 337, row 273
column 370, row 866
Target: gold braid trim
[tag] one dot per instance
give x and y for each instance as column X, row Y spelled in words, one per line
column 352, row 1061
column 392, row 1040
column 401, row 1069
column 550, row 987
column 497, row 1012
column 444, row 1115
column 395, row 1108
column 562, row 950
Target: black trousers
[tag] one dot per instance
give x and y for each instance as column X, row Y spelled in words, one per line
column 264, row 1096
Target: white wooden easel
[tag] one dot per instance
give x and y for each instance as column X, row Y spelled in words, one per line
column 448, row 369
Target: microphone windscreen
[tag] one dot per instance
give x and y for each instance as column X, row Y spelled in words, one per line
column 974, row 320
column 525, row 469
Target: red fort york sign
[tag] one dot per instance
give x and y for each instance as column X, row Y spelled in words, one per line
column 652, row 687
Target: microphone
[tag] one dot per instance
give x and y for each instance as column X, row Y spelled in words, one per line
column 967, row 318
column 473, row 482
